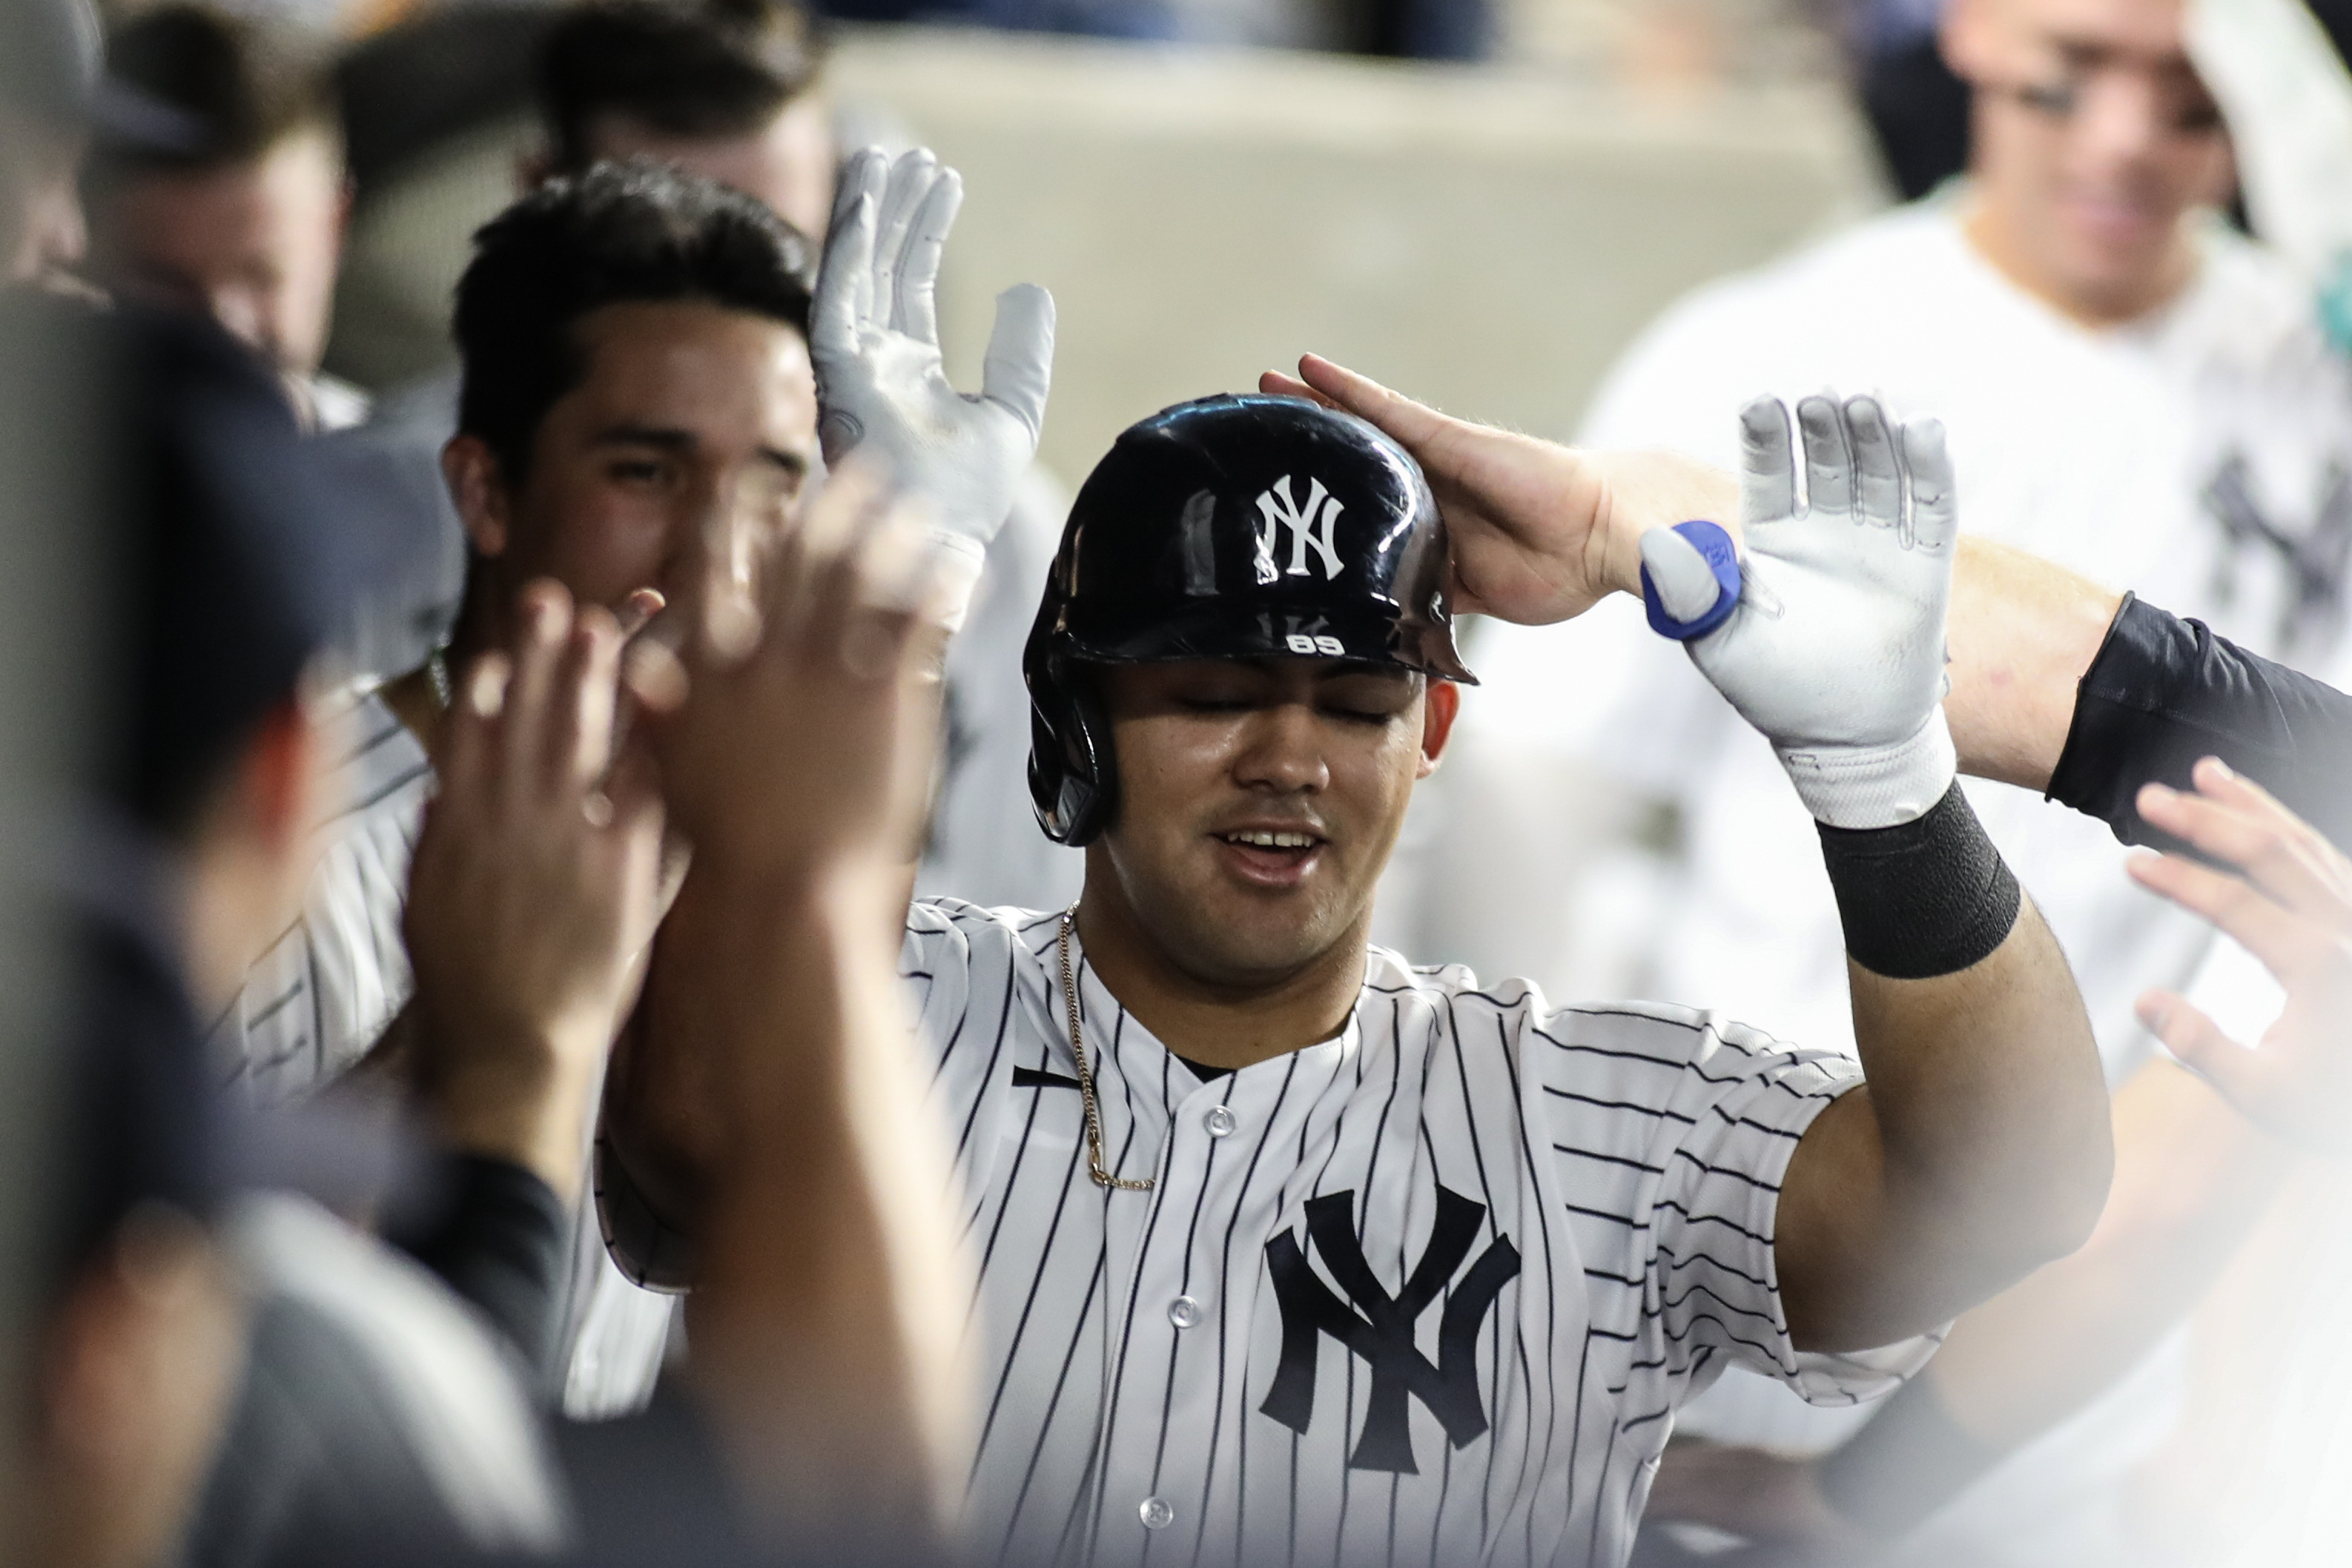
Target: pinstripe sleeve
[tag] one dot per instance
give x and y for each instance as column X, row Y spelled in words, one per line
column 1736, row 1114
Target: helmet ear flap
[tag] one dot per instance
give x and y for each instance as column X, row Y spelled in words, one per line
column 1072, row 775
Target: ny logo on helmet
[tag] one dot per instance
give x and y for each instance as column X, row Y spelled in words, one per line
column 1311, row 527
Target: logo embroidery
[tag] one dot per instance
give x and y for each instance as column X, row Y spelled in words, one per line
column 1383, row 1334
column 1310, row 528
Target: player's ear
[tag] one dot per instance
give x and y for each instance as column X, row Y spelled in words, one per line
column 479, row 490
column 1441, row 704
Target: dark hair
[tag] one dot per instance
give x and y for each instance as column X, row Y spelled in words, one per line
column 683, row 68
column 618, row 234
column 211, row 89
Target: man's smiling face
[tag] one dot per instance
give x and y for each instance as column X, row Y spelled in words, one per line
column 692, row 426
column 1258, row 803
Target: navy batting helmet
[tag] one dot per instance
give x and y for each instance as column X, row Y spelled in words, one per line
column 1231, row 528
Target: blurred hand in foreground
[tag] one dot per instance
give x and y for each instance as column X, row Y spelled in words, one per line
column 1540, row 532
column 794, row 719
column 769, row 1108
column 534, row 891
column 2291, row 907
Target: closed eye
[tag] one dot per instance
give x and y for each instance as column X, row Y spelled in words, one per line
column 637, row 471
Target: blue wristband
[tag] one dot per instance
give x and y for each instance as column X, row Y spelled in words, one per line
column 1716, row 547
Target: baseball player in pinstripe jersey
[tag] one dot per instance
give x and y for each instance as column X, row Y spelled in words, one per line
column 1288, row 1250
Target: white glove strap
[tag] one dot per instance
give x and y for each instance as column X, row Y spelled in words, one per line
column 1875, row 786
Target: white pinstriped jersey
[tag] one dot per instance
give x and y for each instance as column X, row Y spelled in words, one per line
column 320, row 999
column 1427, row 1292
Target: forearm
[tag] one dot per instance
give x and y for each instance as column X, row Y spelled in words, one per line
column 1978, row 1151
column 664, row 1093
column 2163, row 691
column 2021, row 632
column 2188, row 1171
column 820, row 1349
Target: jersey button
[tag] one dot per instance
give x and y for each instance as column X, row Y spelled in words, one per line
column 1184, row 1312
column 1218, row 1121
column 1156, row 1515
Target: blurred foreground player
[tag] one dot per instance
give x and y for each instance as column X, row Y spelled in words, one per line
column 1287, row 1247
column 379, row 1416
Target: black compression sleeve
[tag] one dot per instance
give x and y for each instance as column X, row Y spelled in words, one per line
column 500, row 1239
column 1924, row 898
column 2164, row 692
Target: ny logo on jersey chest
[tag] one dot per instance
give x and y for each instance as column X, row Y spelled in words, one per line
column 1379, row 1328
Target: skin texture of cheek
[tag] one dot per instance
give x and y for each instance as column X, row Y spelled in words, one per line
column 1178, row 791
column 601, row 550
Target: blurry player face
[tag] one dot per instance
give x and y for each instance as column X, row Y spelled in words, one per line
column 1258, row 803
column 253, row 245
column 788, row 163
column 694, row 427
column 2091, row 138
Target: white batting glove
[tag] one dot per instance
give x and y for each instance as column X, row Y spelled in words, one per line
column 1836, row 650
column 875, row 340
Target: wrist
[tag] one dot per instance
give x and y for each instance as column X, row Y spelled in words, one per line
column 1644, row 490
column 1863, row 788
column 1923, row 898
column 518, row 1093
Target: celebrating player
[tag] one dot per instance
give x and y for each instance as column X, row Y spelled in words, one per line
column 1286, row 1246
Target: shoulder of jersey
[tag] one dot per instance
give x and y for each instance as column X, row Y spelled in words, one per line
column 981, row 923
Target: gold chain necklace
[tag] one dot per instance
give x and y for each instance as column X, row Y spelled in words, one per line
column 1085, row 1075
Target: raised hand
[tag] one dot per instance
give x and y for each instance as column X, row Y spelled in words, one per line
column 1836, row 650
column 2290, row 906
column 795, row 722
column 875, row 339
column 1540, row 532
column 534, row 891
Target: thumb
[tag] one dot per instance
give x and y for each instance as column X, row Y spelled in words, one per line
column 1019, row 369
column 2198, row 1042
column 1685, row 581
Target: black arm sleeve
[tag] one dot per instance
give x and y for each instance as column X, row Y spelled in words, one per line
column 500, row 1239
column 2164, row 692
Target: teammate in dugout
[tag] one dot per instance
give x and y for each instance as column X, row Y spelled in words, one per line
column 1286, row 1246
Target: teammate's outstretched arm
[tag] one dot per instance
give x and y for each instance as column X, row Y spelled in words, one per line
column 1980, row 1148
column 2056, row 683
column 796, row 758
